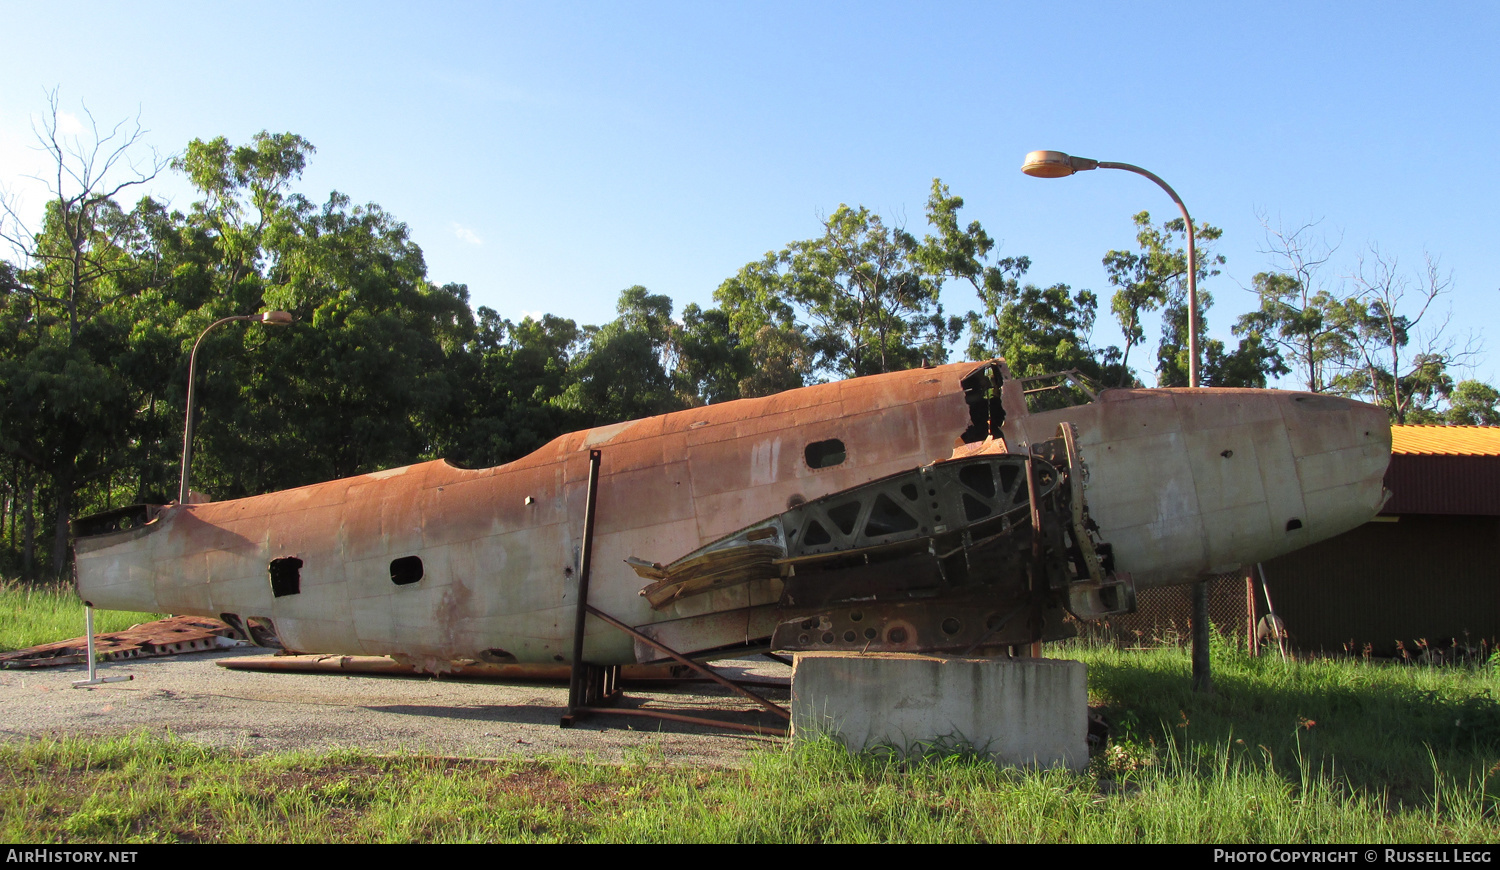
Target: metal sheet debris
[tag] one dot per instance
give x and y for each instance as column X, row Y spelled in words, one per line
column 165, row 637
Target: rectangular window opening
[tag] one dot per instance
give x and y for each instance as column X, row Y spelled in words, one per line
column 406, row 570
column 286, row 576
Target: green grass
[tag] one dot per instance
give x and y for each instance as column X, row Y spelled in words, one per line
column 1376, row 727
column 31, row 614
column 1317, row 751
column 152, row 789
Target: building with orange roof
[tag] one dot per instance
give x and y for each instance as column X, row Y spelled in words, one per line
column 1445, row 440
column 1422, row 575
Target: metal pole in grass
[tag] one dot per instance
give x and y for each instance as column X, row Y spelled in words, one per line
column 94, row 678
column 1056, row 164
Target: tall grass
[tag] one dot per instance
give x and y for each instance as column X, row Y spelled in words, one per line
column 1380, row 728
column 1281, row 752
column 144, row 789
column 31, row 614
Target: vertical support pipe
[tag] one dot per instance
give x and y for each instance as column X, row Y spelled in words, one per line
column 576, row 687
column 88, row 626
column 1252, row 644
column 187, row 426
column 94, row 679
column 1202, row 678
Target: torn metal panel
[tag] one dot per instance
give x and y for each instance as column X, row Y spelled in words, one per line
column 165, row 637
column 731, row 631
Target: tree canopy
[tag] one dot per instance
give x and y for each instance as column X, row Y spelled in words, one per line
column 101, row 303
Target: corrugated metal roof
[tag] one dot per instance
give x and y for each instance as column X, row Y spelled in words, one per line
column 1446, row 440
column 1451, row 470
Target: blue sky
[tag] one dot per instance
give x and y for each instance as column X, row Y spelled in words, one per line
column 549, row 155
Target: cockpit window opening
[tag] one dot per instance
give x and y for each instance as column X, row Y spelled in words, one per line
column 406, row 570
column 1057, row 390
column 982, row 393
column 286, row 576
column 825, row 454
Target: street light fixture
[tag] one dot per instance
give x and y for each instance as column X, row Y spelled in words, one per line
column 270, row 318
column 1056, row 164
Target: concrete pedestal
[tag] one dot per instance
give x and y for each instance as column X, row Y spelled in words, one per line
column 1025, row 712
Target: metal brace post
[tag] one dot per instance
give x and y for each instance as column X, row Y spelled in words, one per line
column 94, row 678
column 592, row 686
column 584, row 677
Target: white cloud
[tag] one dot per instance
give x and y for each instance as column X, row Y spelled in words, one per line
column 534, row 315
column 465, row 234
column 68, row 124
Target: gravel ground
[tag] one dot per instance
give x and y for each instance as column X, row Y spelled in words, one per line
column 193, row 698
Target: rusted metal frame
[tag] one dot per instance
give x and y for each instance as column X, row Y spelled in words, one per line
column 580, row 673
column 1038, row 569
column 857, row 551
column 701, row 668
column 770, row 731
column 969, row 543
column 991, row 632
column 1075, row 485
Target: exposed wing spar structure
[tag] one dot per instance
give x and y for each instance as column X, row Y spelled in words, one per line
column 955, row 556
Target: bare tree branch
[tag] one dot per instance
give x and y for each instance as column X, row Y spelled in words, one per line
column 83, row 231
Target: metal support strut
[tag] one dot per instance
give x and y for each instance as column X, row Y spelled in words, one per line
column 588, row 685
column 595, row 688
column 93, row 678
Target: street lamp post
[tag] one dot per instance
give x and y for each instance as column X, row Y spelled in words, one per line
column 1056, row 164
column 274, row 318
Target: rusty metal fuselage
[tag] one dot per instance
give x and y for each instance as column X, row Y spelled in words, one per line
column 440, row 564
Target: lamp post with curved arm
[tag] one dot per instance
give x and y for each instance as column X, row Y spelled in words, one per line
column 1057, row 164
column 273, row 318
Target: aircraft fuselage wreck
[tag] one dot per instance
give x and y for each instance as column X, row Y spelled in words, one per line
column 919, row 510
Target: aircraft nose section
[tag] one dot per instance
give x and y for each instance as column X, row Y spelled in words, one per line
column 1341, row 449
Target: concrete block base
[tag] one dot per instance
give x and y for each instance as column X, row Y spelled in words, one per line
column 1024, row 712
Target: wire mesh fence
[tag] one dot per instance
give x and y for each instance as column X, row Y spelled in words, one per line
column 1164, row 614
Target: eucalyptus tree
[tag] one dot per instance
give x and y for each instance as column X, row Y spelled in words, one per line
column 1298, row 318
column 65, row 313
column 864, row 293
column 625, row 371
column 1378, row 333
column 1402, row 355
column 1473, row 403
column 516, row 374
column 1155, row 277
